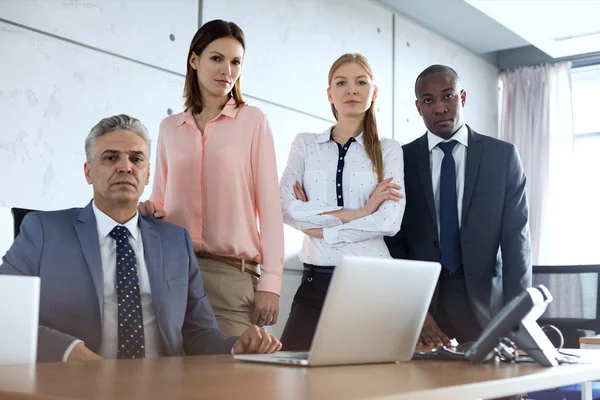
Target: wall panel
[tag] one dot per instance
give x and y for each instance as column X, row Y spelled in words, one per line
column 137, row 29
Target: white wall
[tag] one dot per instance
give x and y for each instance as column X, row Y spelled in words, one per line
column 67, row 64
column 156, row 32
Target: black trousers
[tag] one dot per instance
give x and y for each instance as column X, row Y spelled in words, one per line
column 454, row 314
column 306, row 308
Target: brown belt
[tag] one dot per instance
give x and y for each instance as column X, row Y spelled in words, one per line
column 251, row 267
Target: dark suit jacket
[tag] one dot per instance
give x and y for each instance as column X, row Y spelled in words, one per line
column 496, row 249
column 62, row 248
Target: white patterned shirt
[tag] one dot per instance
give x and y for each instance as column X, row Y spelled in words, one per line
column 335, row 177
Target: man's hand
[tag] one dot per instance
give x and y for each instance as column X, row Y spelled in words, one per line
column 82, row 353
column 431, row 334
column 266, row 308
column 148, row 208
column 256, row 340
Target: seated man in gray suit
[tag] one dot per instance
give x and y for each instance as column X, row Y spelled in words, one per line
column 115, row 284
column 466, row 207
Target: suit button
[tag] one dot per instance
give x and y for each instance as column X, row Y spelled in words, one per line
column 436, row 244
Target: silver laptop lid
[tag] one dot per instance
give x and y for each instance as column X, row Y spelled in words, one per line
column 19, row 309
column 374, row 311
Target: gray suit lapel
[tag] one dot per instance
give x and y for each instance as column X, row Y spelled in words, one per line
column 87, row 232
column 474, row 151
column 424, row 168
column 153, row 257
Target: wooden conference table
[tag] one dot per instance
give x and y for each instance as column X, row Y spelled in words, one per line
column 220, row 377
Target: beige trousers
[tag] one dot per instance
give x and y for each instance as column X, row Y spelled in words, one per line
column 230, row 293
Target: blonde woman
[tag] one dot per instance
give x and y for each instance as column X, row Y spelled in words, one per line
column 343, row 189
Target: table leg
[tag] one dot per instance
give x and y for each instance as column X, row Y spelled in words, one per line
column 586, row 391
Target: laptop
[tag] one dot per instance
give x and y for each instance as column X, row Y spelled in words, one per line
column 19, row 310
column 373, row 313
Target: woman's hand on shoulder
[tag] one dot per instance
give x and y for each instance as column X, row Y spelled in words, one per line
column 149, row 208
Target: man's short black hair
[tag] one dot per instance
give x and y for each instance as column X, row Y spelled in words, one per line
column 433, row 69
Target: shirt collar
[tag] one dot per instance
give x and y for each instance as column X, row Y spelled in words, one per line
column 327, row 136
column 106, row 224
column 230, row 110
column 461, row 136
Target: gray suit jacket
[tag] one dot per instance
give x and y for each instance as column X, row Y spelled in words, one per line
column 62, row 248
column 496, row 250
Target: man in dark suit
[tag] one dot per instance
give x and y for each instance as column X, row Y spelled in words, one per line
column 466, row 208
column 115, row 284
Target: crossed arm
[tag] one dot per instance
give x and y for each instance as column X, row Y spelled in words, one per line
column 381, row 215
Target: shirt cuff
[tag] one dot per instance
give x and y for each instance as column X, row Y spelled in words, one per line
column 70, row 349
column 331, row 236
column 269, row 283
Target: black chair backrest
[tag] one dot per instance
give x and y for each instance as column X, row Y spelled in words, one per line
column 576, row 301
column 18, row 215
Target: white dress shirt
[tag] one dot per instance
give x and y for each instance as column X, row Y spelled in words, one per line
column 315, row 161
column 108, row 253
column 460, row 159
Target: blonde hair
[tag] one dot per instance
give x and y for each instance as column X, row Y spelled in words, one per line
column 370, row 133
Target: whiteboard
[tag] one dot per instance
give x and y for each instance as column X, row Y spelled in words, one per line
column 291, row 45
column 137, row 29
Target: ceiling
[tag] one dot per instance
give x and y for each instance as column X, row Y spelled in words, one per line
column 559, row 28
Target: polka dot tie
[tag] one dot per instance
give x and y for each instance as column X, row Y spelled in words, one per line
column 131, row 324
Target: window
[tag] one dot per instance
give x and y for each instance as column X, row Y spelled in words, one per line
column 581, row 213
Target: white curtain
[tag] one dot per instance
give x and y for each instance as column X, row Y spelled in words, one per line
column 537, row 116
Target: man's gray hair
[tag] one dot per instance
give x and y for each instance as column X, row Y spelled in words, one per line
column 111, row 124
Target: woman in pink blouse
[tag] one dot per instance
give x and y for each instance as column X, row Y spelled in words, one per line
column 216, row 176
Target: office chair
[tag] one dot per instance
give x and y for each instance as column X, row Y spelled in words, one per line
column 574, row 311
column 18, row 215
